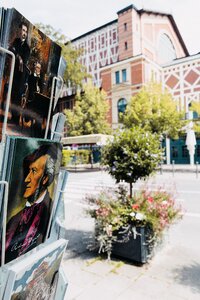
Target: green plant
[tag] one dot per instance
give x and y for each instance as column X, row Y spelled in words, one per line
column 133, row 154
column 89, row 114
column 115, row 210
column 154, row 109
column 80, row 156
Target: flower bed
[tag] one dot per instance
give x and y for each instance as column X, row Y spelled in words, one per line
column 114, row 211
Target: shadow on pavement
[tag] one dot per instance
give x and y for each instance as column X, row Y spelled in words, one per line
column 189, row 276
column 78, row 242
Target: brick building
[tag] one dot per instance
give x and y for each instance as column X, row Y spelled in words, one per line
column 123, row 54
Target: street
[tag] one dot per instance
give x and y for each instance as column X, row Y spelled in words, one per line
column 173, row 273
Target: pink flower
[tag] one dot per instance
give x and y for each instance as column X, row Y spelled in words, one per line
column 103, row 212
column 150, row 199
column 135, row 206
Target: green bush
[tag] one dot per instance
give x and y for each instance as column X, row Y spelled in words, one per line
column 75, row 157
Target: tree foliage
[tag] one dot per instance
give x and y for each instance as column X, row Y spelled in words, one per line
column 195, row 107
column 154, row 110
column 134, row 154
column 54, row 34
column 75, row 72
column 89, row 113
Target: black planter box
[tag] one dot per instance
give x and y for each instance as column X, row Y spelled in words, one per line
column 135, row 249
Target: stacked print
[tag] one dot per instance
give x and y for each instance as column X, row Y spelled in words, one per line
column 37, row 60
column 32, row 174
column 31, row 248
column 37, row 277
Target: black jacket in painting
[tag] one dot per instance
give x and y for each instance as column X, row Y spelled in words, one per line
column 21, row 73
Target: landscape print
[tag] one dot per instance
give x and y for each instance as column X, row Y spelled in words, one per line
column 38, row 277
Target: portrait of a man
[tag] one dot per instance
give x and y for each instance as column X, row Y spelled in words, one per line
column 36, row 64
column 28, row 228
column 21, row 50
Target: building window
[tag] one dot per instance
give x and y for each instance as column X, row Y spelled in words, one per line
column 184, row 151
column 125, row 45
column 166, row 50
column 198, row 150
column 174, row 152
column 195, row 115
column 124, row 75
column 125, row 26
column 121, row 107
column 117, row 77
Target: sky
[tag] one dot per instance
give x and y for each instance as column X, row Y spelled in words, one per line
column 75, row 17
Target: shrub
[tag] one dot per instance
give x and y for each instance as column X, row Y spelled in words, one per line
column 75, row 156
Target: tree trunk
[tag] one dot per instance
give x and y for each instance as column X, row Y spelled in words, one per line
column 131, row 189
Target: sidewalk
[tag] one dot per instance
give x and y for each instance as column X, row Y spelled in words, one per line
column 180, row 168
column 163, row 168
column 173, row 273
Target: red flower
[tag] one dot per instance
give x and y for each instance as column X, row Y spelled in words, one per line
column 135, row 206
column 150, row 199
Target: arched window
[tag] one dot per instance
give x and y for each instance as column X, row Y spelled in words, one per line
column 121, row 106
column 166, row 50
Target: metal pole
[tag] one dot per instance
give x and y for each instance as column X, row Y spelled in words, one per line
column 75, row 160
column 51, row 103
column 61, row 88
column 197, row 169
column 5, row 204
column 173, row 167
column 161, row 169
column 9, row 91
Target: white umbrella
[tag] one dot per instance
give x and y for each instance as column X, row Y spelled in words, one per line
column 190, row 141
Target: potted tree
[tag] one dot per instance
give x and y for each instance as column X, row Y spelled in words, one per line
column 125, row 224
column 133, row 154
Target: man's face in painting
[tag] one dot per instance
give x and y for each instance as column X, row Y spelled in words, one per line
column 35, row 178
column 24, row 32
column 37, row 69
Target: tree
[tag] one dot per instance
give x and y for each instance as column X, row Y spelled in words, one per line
column 75, row 72
column 134, row 154
column 89, row 113
column 154, row 109
column 195, row 108
column 54, row 34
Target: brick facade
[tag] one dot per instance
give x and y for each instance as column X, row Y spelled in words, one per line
column 124, row 54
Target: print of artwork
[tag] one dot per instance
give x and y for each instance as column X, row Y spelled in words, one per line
column 32, row 173
column 36, row 63
column 36, row 277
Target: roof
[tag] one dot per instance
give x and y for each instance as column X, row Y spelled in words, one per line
column 127, row 8
column 99, row 139
column 171, row 18
column 93, row 30
column 141, row 11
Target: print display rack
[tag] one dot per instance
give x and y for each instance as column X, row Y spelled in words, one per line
column 9, row 90
column 9, row 272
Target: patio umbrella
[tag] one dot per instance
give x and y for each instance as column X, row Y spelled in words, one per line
column 190, row 141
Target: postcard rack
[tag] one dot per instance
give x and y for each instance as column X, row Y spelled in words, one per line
column 9, row 90
column 56, row 224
